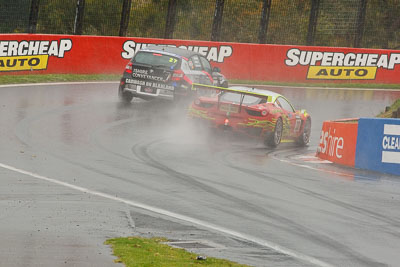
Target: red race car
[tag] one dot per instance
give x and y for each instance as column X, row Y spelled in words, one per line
column 254, row 112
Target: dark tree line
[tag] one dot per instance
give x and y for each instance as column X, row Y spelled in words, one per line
column 353, row 23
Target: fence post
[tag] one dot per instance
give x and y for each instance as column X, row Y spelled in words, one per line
column 78, row 25
column 216, row 27
column 266, row 10
column 33, row 16
column 360, row 23
column 312, row 23
column 125, row 13
column 170, row 21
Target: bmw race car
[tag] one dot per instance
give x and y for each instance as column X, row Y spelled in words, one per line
column 166, row 72
column 253, row 112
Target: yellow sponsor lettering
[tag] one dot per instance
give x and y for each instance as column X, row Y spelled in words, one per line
column 341, row 73
column 19, row 63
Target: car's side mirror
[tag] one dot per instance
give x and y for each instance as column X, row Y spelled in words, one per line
column 216, row 69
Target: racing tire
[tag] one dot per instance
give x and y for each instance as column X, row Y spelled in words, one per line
column 273, row 139
column 304, row 138
column 125, row 97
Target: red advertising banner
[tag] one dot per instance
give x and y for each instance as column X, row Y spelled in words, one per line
column 39, row 53
column 338, row 142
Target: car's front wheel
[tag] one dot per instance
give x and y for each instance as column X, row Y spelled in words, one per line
column 273, row 139
column 304, row 138
column 124, row 96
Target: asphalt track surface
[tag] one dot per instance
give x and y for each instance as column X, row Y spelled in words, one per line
column 77, row 168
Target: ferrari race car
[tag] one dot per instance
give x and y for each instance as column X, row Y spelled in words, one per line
column 253, row 112
column 167, row 73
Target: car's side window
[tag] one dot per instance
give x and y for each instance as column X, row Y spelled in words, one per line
column 277, row 103
column 206, row 64
column 185, row 66
column 285, row 104
column 194, row 63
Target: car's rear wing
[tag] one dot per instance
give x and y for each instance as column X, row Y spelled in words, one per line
column 203, row 90
column 199, row 88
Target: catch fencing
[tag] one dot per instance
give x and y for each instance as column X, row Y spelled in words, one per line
column 340, row 23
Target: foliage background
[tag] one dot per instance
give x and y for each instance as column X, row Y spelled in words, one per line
column 288, row 22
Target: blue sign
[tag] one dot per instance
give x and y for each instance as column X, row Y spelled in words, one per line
column 378, row 145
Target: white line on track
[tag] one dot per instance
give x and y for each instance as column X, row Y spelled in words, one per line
column 313, row 168
column 273, row 246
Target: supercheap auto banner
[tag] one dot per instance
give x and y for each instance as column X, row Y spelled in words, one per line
column 36, row 54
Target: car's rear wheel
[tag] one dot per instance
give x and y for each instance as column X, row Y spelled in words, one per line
column 273, row 139
column 304, row 138
column 124, row 96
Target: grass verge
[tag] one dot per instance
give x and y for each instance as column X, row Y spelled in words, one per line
column 395, row 107
column 323, row 85
column 138, row 251
column 35, row 78
column 40, row 78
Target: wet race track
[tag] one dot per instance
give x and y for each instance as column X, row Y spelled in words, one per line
column 77, row 168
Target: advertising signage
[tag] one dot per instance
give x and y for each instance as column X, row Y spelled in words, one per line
column 40, row 53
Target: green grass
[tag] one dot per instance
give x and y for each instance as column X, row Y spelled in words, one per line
column 388, row 113
column 324, row 85
column 35, row 78
column 40, row 78
column 142, row 252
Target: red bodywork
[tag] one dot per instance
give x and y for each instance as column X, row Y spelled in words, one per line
column 253, row 120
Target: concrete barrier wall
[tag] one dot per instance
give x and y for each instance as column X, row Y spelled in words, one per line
column 338, row 142
column 378, row 145
column 370, row 144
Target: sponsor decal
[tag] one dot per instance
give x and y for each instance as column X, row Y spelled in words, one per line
column 338, row 142
column 391, row 144
column 212, row 53
column 330, row 144
column 144, row 74
column 341, row 66
column 149, row 84
column 30, row 55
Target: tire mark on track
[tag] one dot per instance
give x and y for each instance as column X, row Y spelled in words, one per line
column 283, row 223
column 359, row 210
column 23, row 134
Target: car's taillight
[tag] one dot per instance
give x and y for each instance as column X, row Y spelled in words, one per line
column 177, row 75
column 256, row 112
column 128, row 67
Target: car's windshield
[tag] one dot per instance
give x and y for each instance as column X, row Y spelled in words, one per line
column 248, row 100
column 156, row 59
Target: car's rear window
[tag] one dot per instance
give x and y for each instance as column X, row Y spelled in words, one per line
column 156, row 59
column 248, row 100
